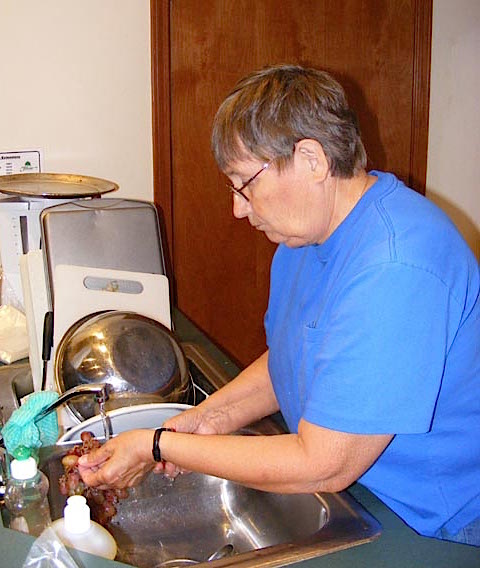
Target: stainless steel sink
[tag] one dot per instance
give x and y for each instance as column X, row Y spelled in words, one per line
column 196, row 514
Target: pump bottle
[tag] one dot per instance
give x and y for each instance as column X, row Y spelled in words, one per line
column 26, row 495
column 78, row 531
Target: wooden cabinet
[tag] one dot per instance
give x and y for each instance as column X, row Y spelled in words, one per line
column 378, row 49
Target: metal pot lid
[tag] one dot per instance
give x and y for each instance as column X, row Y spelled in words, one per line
column 55, row 186
column 136, row 356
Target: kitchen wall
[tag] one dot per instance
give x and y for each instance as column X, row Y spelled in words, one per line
column 75, row 82
column 453, row 174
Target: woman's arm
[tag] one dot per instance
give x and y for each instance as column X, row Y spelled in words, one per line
column 315, row 459
column 247, row 398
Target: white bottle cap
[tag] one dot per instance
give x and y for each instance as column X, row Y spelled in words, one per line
column 76, row 515
column 23, row 469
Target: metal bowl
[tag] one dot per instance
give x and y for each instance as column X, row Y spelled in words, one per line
column 138, row 357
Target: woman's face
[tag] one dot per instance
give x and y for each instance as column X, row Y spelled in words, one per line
column 291, row 207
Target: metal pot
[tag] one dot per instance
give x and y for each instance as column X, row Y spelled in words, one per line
column 138, row 357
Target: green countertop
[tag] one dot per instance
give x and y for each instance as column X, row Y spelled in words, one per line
column 398, row 546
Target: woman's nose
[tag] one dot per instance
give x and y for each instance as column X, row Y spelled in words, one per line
column 241, row 207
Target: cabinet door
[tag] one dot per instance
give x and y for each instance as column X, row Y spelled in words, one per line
column 380, row 52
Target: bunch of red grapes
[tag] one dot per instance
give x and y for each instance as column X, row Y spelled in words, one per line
column 101, row 501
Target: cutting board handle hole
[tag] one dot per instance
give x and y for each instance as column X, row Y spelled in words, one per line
column 115, row 285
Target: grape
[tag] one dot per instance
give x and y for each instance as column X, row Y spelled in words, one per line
column 69, row 461
column 101, row 502
column 86, row 436
column 109, row 509
column 97, row 495
column 73, row 479
column 121, row 493
column 76, row 451
column 62, row 485
column 110, row 496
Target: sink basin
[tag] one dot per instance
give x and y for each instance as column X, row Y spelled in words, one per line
column 197, row 514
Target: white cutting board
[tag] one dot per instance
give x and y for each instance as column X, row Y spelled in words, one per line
column 149, row 297
column 35, row 299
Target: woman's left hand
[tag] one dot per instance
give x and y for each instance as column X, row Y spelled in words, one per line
column 121, row 462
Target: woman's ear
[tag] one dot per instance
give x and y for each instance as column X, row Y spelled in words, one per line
column 311, row 156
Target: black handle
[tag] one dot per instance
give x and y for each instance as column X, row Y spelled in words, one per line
column 47, row 336
column 47, row 343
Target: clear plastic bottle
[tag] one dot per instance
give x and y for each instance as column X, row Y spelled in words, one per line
column 26, row 495
column 78, row 531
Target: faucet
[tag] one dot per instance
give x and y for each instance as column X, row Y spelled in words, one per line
column 101, row 393
column 98, row 390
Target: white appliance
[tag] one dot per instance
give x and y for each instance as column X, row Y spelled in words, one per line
column 19, row 234
column 22, row 198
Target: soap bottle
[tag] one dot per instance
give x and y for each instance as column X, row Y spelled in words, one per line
column 78, row 531
column 26, row 494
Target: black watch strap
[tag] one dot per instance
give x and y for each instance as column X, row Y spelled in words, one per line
column 157, row 456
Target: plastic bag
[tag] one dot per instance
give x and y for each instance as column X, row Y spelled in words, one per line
column 13, row 335
column 8, row 297
column 48, row 551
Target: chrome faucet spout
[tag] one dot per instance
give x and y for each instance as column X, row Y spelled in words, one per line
column 99, row 391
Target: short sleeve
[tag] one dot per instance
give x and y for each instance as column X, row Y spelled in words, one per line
column 376, row 362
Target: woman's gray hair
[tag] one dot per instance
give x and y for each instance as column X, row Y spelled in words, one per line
column 269, row 111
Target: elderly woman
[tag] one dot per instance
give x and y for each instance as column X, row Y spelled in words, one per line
column 373, row 325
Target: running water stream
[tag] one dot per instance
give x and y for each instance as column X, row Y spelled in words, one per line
column 106, row 422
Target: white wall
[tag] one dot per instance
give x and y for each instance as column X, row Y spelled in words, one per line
column 75, row 82
column 453, row 174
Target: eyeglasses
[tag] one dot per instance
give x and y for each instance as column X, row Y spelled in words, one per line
column 240, row 190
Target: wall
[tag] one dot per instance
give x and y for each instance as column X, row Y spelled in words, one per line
column 453, row 174
column 75, row 82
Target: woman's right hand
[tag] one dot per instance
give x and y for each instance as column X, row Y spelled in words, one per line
column 202, row 419
column 243, row 400
column 193, row 421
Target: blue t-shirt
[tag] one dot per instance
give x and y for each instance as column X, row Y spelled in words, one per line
column 377, row 331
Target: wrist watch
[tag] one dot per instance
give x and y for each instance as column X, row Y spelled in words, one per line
column 157, row 455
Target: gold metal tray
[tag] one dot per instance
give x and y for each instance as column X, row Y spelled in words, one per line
column 55, row 186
